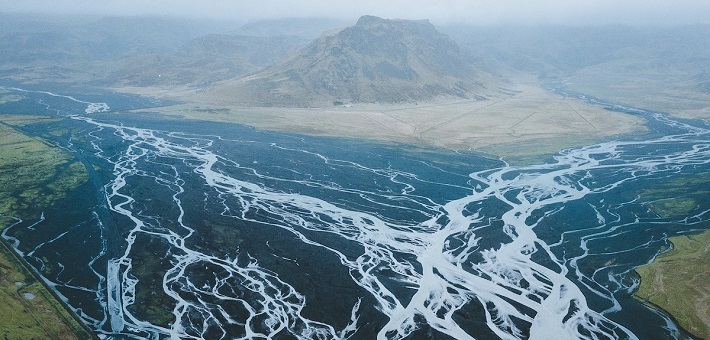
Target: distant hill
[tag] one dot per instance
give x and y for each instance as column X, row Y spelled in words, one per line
column 664, row 68
column 35, row 39
column 93, row 50
column 306, row 28
column 203, row 61
column 376, row 60
column 271, row 62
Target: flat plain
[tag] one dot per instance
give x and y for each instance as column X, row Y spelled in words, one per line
column 528, row 121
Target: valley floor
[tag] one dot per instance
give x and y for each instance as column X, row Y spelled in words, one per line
column 526, row 124
column 529, row 121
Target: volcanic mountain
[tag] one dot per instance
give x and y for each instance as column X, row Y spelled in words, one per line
column 375, row 61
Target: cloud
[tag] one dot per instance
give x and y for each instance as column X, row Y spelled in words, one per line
column 441, row 11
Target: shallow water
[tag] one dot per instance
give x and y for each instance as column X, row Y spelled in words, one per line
column 212, row 230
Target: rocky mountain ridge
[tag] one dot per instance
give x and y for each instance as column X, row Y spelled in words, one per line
column 375, row 61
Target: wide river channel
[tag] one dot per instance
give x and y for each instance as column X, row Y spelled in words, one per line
column 191, row 229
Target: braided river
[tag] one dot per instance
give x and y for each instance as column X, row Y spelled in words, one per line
column 190, row 229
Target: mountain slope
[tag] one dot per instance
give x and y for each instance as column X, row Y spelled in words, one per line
column 375, row 61
column 305, row 28
column 202, row 61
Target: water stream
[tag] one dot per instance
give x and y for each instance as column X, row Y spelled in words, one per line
column 221, row 231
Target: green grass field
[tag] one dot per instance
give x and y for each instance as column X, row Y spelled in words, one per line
column 679, row 281
column 32, row 174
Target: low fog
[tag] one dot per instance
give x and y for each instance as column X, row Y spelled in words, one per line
column 634, row 12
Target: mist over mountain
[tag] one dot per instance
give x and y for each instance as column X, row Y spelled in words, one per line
column 89, row 38
column 305, row 28
column 203, row 61
column 663, row 67
column 86, row 50
column 376, row 60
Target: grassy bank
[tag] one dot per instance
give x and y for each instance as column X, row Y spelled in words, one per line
column 33, row 174
column 679, row 280
column 28, row 310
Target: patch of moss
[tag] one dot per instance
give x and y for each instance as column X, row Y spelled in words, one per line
column 22, row 120
column 673, row 207
column 677, row 196
column 677, row 282
column 150, row 263
column 33, row 174
column 6, row 98
column 27, row 309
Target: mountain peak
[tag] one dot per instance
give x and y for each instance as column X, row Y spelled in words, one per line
column 366, row 20
column 371, row 20
column 377, row 61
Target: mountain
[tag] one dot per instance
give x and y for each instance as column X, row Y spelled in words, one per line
column 666, row 68
column 202, row 61
column 306, row 28
column 77, row 38
column 87, row 50
column 375, row 61
column 133, row 51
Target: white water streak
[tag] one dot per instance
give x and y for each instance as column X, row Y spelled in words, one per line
column 520, row 296
column 90, row 107
column 506, row 279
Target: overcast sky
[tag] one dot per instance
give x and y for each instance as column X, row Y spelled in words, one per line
column 632, row 12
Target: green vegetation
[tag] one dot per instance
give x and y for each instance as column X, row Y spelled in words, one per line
column 678, row 282
column 21, row 120
column 150, row 262
column 27, row 309
column 671, row 198
column 6, row 98
column 32, row 174
column 673, row 206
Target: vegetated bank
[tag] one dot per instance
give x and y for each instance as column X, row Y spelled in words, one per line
column 32, row 174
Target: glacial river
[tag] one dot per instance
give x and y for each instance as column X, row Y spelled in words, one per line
column 209, row 230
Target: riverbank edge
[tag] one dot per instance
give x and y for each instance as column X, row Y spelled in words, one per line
column 18, row 265
column 666, row 284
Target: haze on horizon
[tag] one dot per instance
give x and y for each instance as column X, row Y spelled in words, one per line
column 481, row 12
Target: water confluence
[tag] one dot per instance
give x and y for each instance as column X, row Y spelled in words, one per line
column 207, row 230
